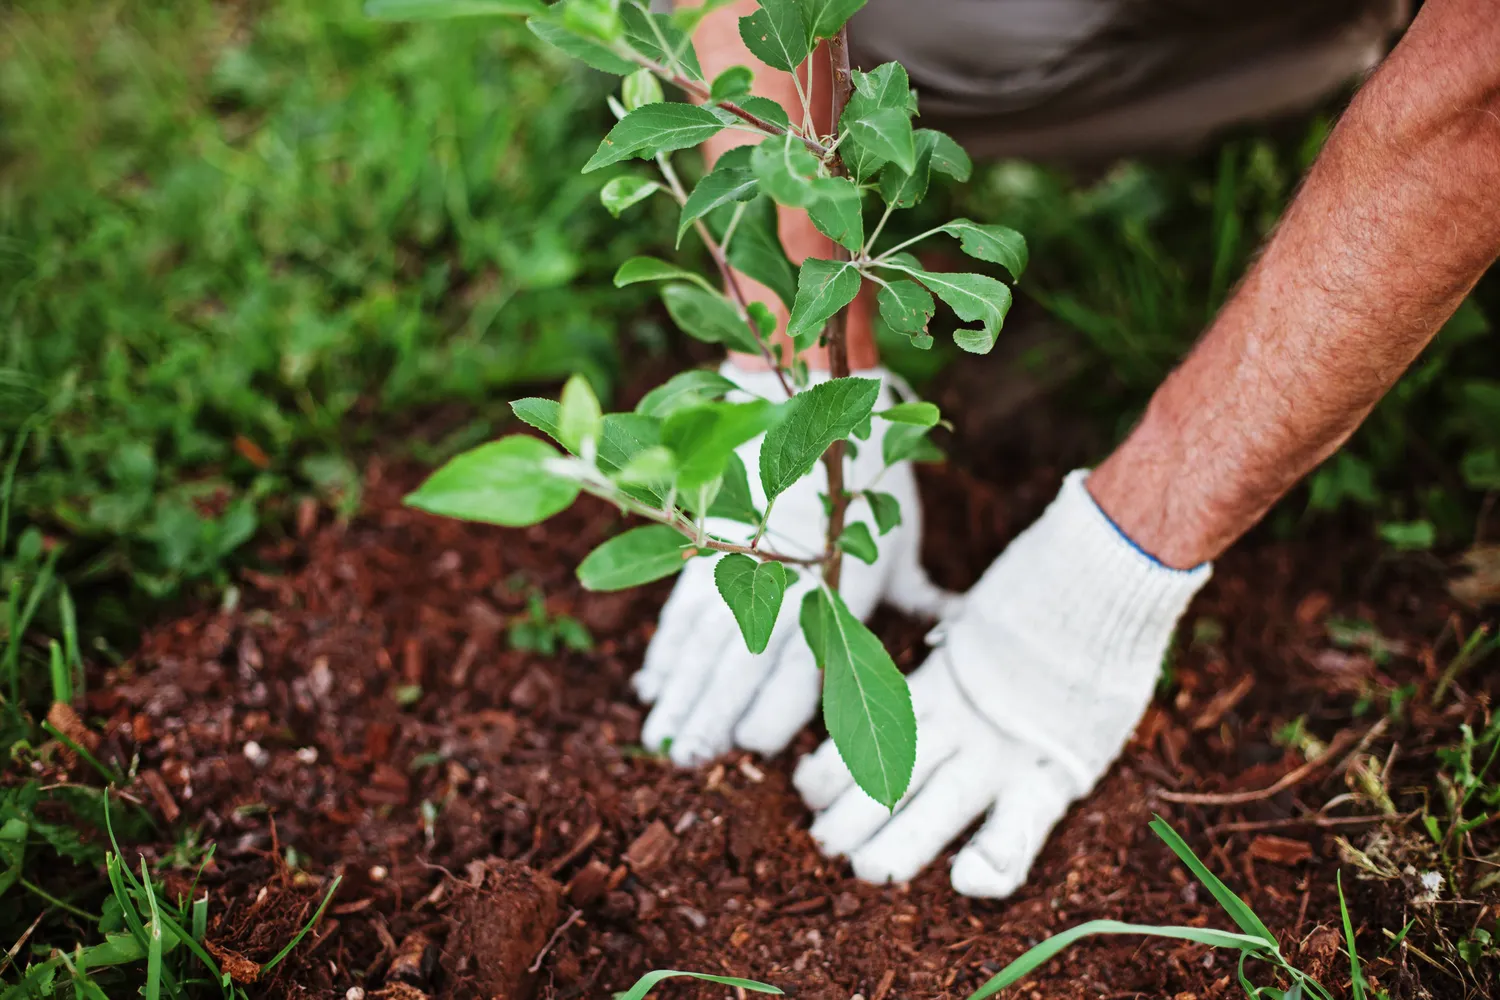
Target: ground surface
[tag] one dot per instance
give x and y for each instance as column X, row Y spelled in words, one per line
column 362, row 710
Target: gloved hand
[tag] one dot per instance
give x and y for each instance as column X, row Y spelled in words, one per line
column 711, row 693
column 1037, row 682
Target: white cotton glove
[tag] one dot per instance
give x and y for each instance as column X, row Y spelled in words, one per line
column 709, row 691
column 1039, row 679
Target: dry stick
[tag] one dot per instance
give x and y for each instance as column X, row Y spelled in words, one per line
column 1338, row 746
column 572, row 918
column 838, row 327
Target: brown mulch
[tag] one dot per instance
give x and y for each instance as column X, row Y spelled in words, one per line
column 360, row 712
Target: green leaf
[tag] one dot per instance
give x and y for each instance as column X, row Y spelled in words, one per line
column 996, row 244
column 776, row 34
column 823, row 288
column 599, row 19
column 696, row 385
column 813, row 419
column 639, row 556
column 704, row 436
column 735, row 501
column 655, row 128
column 866, row 703
column 622, row 192
column 645, row 32
column 433, row 10
column 653, row 467
column 824, row 18
column 948, row 157
column 1244, row 918
column 687, row 18
column 859, row 543
column 579, row 417
column 724, row 186
column 1409, row 536
column 641, row 88
column 975, row 298
column 908, row 443
column 757, row 252
column 836, row 211
column 905, row 306
column 638, row 269
column 549, row 28
column 765, row 109
column 753, row 590
column 732, row 84
column 622, row 436
column 708, row 316
column 787, row 170
column 502, row 482
column 887, row 133
column 1041, row 953
column 646, row 983
column 904, row 188
column 920, row 413
column 886, row 508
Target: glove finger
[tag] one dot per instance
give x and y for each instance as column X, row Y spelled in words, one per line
column 821, row 777
column 908, row 587
column 688, row 680
column 708, row 729
column 959, row 793
column 996, row 861
column 785, row 703
column 674, row 632
column 855, row 818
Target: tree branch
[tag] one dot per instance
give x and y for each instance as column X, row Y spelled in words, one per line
column 701, row 93
column 837, row 329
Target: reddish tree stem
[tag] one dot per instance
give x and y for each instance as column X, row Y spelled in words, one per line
column 837, row 329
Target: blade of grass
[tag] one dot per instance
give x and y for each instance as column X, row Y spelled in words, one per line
column 68, row 615
column 1243, row 917
column 153, row 948
column 108, row 773
column 62, row 679
column 1243, row 943
column 318, row 915
column 1356, row 978
column 647, row 983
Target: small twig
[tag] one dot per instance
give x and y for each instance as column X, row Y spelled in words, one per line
column 1340, row 743
column 572, row 918
column 20, row 941
column 701, row 93
column 1252, row 826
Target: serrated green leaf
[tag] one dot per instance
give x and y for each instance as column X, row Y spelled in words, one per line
column 885, row 508
column 433, row 10
column 813, row 419
column 886, row 132
column 704, row 436
column 859, row 543
column 723, row 186
column 622, row 192
column 754, row 591
column 639, row 556
column 732, row 84
column 756, row 251
column 823, row 288
column 824, row 18
column 996, row 244
column 735, row 501
column 550, row 29
column 653, row 467
column 708, row 316
column 905, row 306
column 598, row 19
column 503, row 482
column 836, row 211
column 697, row 385
column 646, row 983
column 948, row 157
column 787, row 170
column 638, row 269
column 639, row 89
column 655, row 128
column 908, row 443
column 975, row 298
column 579, row 417
column 776, row 34
column 903, row 188
column 919, row 412
column 646, row 31
column 765, row 109
column 866, row 703
column 622, row 436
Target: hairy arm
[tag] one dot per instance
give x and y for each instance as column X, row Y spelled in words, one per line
column 1394, row 224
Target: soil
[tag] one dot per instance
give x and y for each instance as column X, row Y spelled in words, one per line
column 360, row 711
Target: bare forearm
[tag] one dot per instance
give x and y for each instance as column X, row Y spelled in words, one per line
column 1397, row 220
